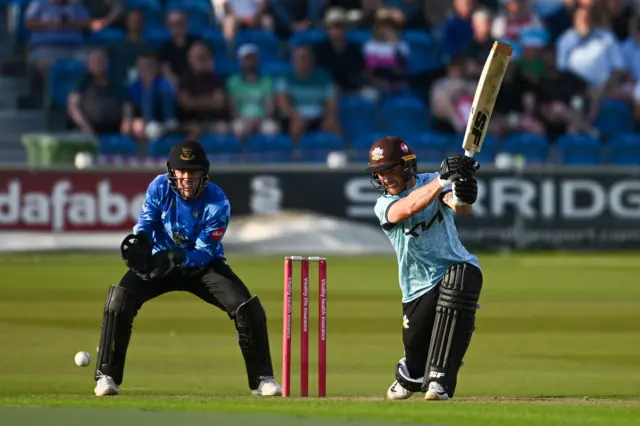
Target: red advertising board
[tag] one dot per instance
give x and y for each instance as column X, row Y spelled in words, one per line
column 71, row 201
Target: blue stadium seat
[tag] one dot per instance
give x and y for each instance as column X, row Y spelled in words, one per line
column 404, row 116
column 316, row 146
column 215, row 40
column 359, row 36
column 276, row 69
column 490, row 147
column 63, row 77
column 151, row 10
column 361, row 145
column 624, row 150
column 579, row 150
column 107, row 37
column 309, row 37
column 157, row 35
column 276, row 148
column 430, row 147
column 614, row 118
column 226, row 67
column 117, row 144
column 199, row 14
column 162, row 146
column 356, row 116
column 534, row 148
column 425, row 52
column 17, row 25
column 266, row 41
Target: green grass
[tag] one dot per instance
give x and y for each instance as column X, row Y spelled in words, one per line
column 552, row 330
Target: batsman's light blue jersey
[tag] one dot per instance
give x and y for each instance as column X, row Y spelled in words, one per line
column 426, row 244
column 196, row 226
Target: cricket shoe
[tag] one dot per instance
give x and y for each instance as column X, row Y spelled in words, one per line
column 436, row 392
column 106, row 386
column 267, row 387
column 397, row 392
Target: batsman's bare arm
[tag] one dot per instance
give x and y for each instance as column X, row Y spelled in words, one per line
column 415, row 202
column 448, row 199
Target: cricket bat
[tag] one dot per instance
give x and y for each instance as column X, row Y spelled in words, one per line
column 485, row 97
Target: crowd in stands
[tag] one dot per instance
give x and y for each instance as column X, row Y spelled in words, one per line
column 353, row 69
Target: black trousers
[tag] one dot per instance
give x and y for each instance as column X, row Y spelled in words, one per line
column 417, row 321
column 217, row 285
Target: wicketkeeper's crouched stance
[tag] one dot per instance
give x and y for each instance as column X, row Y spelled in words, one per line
column 440, row 280
column 176, row 245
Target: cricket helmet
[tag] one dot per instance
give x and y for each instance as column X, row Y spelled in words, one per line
column 387, row 153
column 188, row 155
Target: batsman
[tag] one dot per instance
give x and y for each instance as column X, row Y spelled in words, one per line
column 176, row 245
column 439, row 279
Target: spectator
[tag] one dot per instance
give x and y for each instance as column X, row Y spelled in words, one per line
column 560, row 20
column 561, row 99
column 203, row 103
column 618, row 15
column 631, row 54
column 124, row 55
column 251, row 96
column 353, row 10
column 342, row 59
column 306, row 97
column 594, row 55
column 134, row 26
column 478, row 49
column 244, row 14
column 457, row 30
column 153, row 100
column 386, row 57
column 174, row 52
column 517, row 16
column 515, row 108
column 531, row 63
column 56, row 28
column 105, row 13
column 289, row 17
column 409, row 13
column 99, row 105
column 451, row 98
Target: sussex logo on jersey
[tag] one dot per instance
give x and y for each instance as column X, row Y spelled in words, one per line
column 187, row 154
column 217, row 234
column 377, row 154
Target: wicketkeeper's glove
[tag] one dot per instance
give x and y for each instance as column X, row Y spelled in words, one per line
column 164, row 262
column 465, row 191
column 136, row 253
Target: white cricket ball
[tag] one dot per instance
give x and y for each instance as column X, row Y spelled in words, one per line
column 82, row 359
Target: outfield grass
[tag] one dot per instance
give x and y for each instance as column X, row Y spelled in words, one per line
column 564, row 326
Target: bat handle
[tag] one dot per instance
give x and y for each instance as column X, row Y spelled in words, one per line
column 468, row 153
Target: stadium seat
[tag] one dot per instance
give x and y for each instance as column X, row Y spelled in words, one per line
column 579, row 150
column 117, row 144
column 151, row 10
column 624, row 150
column 222, row 148
column 199, row 14
column 361, row 145
column 534, row 148
column 614, row 118
column 431, row 147
column 157, row 35
column 107, row 37
column 356, row 116
column 487, row 155
column 162, row 146
column 216, row 42
column 316, row 146
column 266, row 41
column 403, row 116
column 359, row 36
column 276, row 148
column 276, row 69
column 226, row 67
column 309, row 37
column 63, row 77
column 425, row 52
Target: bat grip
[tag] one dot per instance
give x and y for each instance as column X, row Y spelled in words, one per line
column 455, row 199
column 468, row 153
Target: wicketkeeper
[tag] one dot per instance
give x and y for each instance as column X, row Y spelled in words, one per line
column 440, row 280
column 176, row 245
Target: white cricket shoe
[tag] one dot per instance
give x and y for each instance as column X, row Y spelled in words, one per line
column 397, row 392
column 436, row 392
column 106, row 386
column 267, row 387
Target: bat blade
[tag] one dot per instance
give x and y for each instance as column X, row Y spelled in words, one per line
column 485, row 97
